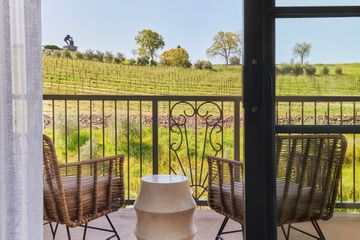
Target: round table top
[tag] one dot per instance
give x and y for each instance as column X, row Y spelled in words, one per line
column 164, row 179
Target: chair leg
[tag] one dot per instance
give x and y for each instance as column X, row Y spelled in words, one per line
column 85, row 229
column 113, row 228
column 222, row 227
column 318, row 230
column 53, row 231
column 284, row 232
column 68, row 232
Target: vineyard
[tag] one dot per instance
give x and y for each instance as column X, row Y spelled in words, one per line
column 72, row 76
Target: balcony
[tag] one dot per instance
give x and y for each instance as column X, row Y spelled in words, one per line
column 174, row 134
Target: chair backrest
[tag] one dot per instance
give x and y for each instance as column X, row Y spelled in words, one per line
column 54, row 203
column 309, row 170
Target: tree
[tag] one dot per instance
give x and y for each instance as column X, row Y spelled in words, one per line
column 149, row 42
column 225, row 44
column 302, row 50
column 178, row 57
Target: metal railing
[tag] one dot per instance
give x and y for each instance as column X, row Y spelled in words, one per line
column 157, row 134
column 174, row 134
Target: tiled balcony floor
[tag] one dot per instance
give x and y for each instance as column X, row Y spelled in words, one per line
column 341, row 227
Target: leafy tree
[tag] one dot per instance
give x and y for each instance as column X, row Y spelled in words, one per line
column 225, row 44
column 178, row 57
column 149, row 42
column 302, row 50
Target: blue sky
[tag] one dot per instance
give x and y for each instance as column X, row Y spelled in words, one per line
column 113, row 24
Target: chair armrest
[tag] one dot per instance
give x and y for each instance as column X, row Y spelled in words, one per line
column 225, row 181
column 223, row 170
column 92, row 161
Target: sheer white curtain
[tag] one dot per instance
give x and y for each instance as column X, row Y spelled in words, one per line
column 20, row 120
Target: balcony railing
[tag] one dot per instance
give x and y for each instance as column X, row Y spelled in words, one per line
column 174, row 134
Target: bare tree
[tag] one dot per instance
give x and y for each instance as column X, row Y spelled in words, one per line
column 302, row 50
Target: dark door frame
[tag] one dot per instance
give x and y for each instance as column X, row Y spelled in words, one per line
column 259, row 107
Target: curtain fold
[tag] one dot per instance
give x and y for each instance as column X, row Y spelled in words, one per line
column 20, row 120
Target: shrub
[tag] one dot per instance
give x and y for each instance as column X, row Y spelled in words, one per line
column 338, row 70
column 47, row 52
column 175, row 57
column 56, row 53
column 187, row 64
column 298, row 69
column 198, row 65
column 235, row 60
column 99, row 56
column 285, row 69
column 153, row 63
column 117, row 60
column 108, row 57
column 142, row 61
column 207, row 65
column 52, row 47
column 201, row 64
column 132, row 61
column 310, row 70
column 325, row 70
column 78, row 55
column 120, row 56
column 65, row 53
column 89, row 54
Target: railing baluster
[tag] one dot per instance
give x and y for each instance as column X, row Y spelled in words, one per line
column 141, row 136
column 78, row 128
column 128, row 147
column 155, row 137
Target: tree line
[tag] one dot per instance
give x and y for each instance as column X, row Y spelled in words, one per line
column 225, row 44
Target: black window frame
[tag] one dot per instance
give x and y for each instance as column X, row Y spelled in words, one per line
column 259, row 106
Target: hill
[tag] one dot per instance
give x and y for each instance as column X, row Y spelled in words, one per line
column 72, row 76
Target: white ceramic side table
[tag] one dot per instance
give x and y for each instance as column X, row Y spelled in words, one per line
column 165, row 209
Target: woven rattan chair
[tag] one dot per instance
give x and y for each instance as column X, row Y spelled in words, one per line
column 308, row 173
column 76, row 193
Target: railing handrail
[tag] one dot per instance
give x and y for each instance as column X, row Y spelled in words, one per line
column 140, row 98
column 196, row 98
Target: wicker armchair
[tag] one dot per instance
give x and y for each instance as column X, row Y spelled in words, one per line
column 308, row 173
column 76, row 193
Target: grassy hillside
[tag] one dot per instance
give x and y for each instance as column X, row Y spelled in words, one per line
column 69, row 76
